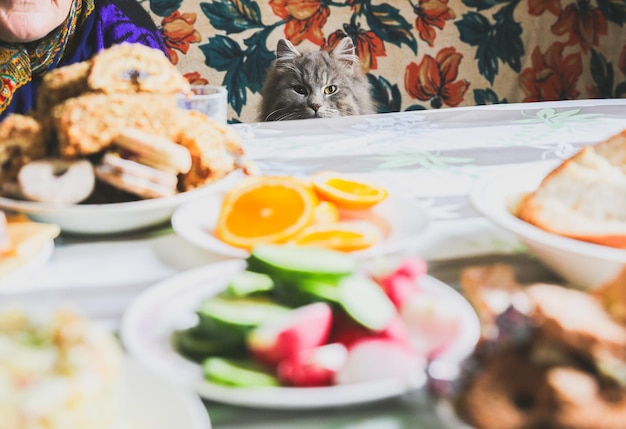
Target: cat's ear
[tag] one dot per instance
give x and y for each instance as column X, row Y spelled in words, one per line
column 345, row 51
column 286, row 51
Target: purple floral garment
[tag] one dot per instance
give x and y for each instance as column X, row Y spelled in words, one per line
column 112, row 22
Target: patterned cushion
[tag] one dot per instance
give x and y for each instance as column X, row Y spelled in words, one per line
column 419, row 54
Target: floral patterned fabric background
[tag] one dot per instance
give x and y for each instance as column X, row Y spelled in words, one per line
column 418, row 54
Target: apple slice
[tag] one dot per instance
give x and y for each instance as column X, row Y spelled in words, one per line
column 431, row 322
column 312, row 367
column 371, row 359
column 286, row 335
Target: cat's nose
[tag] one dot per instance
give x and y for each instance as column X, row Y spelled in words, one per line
column 315, row 107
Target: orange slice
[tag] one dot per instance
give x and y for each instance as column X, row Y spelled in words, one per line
column 347, row 192
column 325, row 212
column 342, row 236
column 265, row 209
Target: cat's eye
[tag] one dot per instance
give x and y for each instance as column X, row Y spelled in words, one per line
column 300, row 89
column 330, row 89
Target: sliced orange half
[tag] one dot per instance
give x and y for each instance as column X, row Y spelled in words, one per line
column 265, row 209
column 346, row 192
column 342, row 236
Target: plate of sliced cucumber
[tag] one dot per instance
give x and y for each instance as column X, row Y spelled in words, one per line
column 299, row 328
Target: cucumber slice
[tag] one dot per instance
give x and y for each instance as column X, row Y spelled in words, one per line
column 300, row 262
column 237, row 372
column 247, row 282
column 230, row 319
column 318, row 290
column 196, row 345
column 365, row 302
column 305, row 291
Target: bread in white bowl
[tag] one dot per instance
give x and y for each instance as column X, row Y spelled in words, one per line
column 584, row 198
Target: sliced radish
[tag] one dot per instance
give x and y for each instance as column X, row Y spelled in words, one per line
column 286, row 335
column 403, row 282
column 431, row 322
column 373, row 359
column 312, row 367
column 347, row 331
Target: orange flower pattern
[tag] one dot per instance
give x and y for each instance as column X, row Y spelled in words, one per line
column 368, row 47
column 459, row 53
column 434, row 79
column 538, row 7
column 195, row 78
column 179, row 32
column 431, row 13
column 552, row 76
column 583, row 25
column 305, row 19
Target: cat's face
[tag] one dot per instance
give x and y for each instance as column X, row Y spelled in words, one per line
column 314, row 85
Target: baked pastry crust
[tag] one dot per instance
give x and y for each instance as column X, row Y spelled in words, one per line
column 584, row 197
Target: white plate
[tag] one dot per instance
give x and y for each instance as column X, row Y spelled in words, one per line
column 582, row 264
column 113, row 217
column 155, row 403
column 20, row 278
column 148, row 323
column 401, row 221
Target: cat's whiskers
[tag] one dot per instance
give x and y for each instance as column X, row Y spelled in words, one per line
column 294, row 114
column 267, row 118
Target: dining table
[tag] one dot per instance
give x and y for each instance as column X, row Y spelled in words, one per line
column 433, row 157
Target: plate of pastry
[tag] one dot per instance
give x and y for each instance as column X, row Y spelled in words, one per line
column 349, row 364
column 118, row 155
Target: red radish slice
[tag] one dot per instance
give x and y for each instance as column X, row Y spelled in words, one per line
column 346, row 331
column 313, row 367
column 403, row 282
column 286, row 335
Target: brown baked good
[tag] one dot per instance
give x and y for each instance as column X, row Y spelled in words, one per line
column 489, row 289
column 62, row 83
column 88, row 124
column 576, row 321
column 133, row 68
column 584, row 197
column 21, row 140
column 85, row 107
column 506, row 392
column 215, row 148
column 560, row 365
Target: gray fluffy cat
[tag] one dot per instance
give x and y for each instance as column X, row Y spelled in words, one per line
column 317, row 84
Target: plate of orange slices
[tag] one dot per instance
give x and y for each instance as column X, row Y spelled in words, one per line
column 331, row 210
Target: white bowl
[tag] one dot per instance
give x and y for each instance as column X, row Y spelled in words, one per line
column 583, row 265
column 113, row 217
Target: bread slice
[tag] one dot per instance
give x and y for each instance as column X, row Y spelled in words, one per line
column 585, row 197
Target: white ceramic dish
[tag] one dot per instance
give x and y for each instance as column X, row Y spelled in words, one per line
column 400, row 219
column 113, row 217
column 155, row 403
column 148, row 323
column 582, row 264
column 20, row 278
